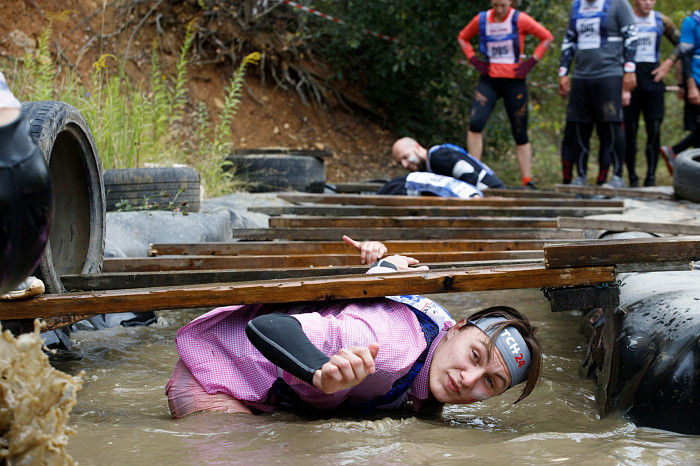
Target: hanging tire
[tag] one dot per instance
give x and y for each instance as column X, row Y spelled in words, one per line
column 77, row 237
column 686, row 175
column 162, row 188
column 280, row 170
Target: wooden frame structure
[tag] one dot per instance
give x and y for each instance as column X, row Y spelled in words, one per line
column 494, row 243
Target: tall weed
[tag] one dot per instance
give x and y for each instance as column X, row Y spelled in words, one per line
column 218, row 176
column 136, row 123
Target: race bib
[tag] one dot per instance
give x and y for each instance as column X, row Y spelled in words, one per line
column 500, row 44
column 646, row 47
column 430, row 308
column 588, row 30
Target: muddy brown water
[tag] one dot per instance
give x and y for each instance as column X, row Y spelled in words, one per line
column 121, row 416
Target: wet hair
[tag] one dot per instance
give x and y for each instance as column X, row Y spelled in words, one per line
column 527, row 331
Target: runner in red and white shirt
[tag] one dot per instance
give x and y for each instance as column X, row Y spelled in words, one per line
column 502, row 31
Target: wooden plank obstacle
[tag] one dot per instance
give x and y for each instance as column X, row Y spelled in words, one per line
column 525, row 242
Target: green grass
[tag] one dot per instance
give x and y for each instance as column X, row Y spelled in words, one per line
column 137, row 124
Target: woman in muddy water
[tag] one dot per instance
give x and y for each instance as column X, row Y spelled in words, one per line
column 352, row 355
column 121, row 415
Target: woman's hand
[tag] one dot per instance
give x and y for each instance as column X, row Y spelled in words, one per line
column 347, row 368
column 370, row 251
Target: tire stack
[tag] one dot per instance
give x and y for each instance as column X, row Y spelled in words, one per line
column 163, row 188
column 686, row 175
column 280, row 169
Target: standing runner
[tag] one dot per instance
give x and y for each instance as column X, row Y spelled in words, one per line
column 602, row 35
column 690, row 48
column 502, row 31
column 648, row 97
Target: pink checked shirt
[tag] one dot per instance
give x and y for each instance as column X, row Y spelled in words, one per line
column 216, row 350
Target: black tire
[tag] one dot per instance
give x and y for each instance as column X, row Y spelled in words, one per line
column 168, row 187
column 686, row 175
column 77, row 238
column 280, row 172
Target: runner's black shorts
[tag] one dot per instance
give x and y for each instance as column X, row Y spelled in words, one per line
column 647, row 97
column 595, row 100
column 514, row 93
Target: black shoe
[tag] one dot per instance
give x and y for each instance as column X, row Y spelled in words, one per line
column 634, row 181
column 650, row 181
column 530, row 185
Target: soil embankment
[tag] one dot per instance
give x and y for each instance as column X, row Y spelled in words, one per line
column 269, row 115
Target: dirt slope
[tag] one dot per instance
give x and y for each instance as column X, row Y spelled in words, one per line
column 268, row 115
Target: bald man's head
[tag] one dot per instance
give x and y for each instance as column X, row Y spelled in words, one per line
column 409, row 154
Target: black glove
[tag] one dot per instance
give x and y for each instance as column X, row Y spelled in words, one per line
column 481, row 66
column 525, row 67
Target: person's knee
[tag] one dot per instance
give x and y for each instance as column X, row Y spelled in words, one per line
column 569, row 134
column 186, row 396
column 521, row 138
column 477, row 124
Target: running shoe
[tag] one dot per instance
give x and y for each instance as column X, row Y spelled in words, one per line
column 615, row 182
column 650, row 181
column 669, row 157
column 530, row 185
column 580, row 181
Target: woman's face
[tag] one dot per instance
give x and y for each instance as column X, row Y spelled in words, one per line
column 500, row 8
column 463, row 371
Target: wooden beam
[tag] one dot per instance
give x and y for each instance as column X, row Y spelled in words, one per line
column 306, row 221
column 358, row 187
column 122, row 280
column 17, row 327
column 657, row 266
column 656, row 192
column 373, row 187
column 384, row 200
column 162, row 263
column 628, row 225
column 527, row 193
column 319, row 289
column 259, row 248
column 623, row 251
column 435, row 211
column 387, row 234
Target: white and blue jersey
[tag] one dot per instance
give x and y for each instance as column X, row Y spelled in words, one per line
column 690, row 39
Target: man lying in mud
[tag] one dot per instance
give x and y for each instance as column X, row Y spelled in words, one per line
column 354, row 355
